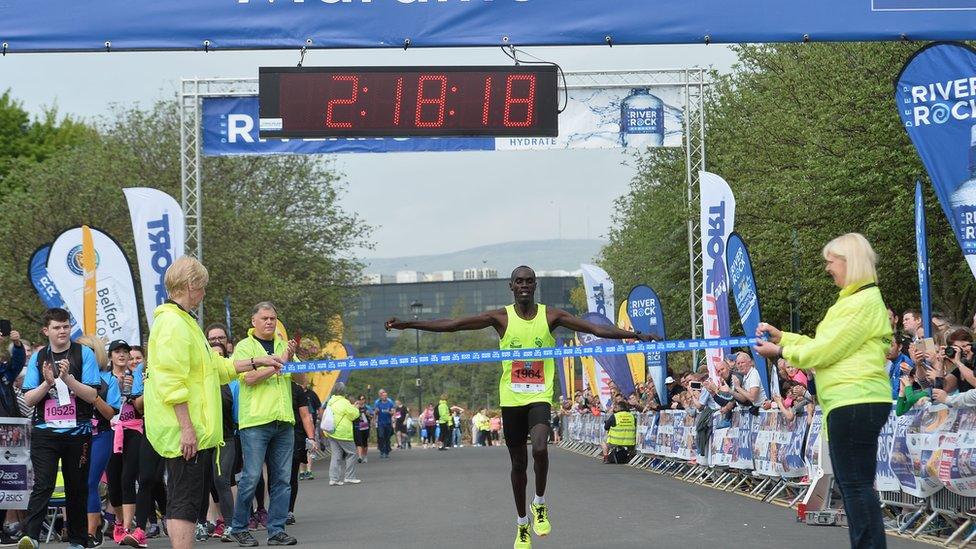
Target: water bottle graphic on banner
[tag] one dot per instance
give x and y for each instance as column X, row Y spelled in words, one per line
column 963, row 202
column 642, row 120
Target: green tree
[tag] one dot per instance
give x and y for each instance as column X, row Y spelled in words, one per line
column 273, row 228
column 809, row 139
column 23, row 140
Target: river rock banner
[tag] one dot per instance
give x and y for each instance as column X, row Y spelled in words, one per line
column 885, row 478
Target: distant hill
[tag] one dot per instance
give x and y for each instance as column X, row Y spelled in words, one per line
column 542, row 255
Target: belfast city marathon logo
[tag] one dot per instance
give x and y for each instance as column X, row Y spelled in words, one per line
column 74, row 260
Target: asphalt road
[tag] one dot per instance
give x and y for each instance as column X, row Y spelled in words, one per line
column 462, row 498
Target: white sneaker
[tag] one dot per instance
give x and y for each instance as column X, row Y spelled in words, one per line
column 335, row 483
column 365, row 460
column 353, row 481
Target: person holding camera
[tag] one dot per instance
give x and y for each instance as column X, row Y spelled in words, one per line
column 958, row 355
column 852, row 384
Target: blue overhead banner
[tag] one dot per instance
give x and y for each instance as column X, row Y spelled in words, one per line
column 116, row 25
column 647, row 317
column 936, row 98
column 230, row 128
column 922, row 253
column 747, row 301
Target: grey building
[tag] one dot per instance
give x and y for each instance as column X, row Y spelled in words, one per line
column 376, row 303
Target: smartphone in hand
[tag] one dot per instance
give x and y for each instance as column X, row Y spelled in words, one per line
column 5, row 328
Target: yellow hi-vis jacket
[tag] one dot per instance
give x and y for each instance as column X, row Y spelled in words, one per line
column 182, row 368
column 848, row 351
column 268, row 400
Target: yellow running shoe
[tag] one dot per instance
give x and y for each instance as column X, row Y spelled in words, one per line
column 523, row 540
column 540, row 519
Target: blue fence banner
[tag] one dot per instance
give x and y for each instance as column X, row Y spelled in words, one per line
column 747, row 300
column 114, row 25
column 936, row 98
column 647, row 317
column 230, row 129
column 45, row 287
column 922, row 252
column 495, row 355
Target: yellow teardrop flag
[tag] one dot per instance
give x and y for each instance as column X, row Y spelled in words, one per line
column 637, row 361
column 88, row 265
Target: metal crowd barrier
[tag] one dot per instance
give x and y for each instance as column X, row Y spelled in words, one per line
column 926, row 475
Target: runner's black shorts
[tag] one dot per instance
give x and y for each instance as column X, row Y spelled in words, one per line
column 517, row 421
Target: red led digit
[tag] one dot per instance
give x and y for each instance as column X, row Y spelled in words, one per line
column 529, row 101
column 399, row 101
column 484, row 108
column 440, row 100
column 347, row 101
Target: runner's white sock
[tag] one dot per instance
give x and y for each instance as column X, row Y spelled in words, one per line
column 522, row 521
column 539, row 500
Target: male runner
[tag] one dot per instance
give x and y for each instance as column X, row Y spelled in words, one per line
column 526, row 387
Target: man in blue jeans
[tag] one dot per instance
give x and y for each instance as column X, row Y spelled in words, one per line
column 384, row 422
column 267, row 427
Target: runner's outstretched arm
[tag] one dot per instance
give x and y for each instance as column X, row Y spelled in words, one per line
column 490, row 319
column 568, row 321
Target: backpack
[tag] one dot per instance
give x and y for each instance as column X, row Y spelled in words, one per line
column 328, row 421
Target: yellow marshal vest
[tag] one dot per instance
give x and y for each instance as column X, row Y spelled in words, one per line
column 624, row 433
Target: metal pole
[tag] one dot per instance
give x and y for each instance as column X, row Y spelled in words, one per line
column 689, row 180
column 420, row 384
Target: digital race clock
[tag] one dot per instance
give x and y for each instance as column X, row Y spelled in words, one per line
column 408, row 101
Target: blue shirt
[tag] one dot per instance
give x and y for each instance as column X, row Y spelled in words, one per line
column 137, row 383
column 895, row 373
column 90, row 375
column 113, row 396
column 384, row 411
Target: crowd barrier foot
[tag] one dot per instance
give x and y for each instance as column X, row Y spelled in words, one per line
column 966, row 524
column 928, row 520
column 911, row 520
column 777, row 490
column 968, row 538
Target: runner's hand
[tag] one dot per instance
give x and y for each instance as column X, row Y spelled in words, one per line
column 394, row 324
column 188, row 443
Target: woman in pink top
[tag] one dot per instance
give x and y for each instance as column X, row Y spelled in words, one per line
column 496, row 426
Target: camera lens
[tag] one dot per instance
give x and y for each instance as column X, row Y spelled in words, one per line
column 950, row 352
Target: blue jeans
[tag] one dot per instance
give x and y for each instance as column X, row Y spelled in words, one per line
column 456, row 438
column 853, row 440
column 275, row 443
column 383, row 434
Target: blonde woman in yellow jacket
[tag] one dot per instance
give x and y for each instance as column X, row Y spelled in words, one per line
column 183, row 378
column 847, row 355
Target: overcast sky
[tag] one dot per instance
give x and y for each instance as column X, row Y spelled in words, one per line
column 420, row 203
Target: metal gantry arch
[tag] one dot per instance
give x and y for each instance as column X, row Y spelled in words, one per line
column 694, row 82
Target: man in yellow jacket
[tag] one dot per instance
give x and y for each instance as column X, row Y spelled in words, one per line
column 340, row 437
column 183, row 417
column 266, row 423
